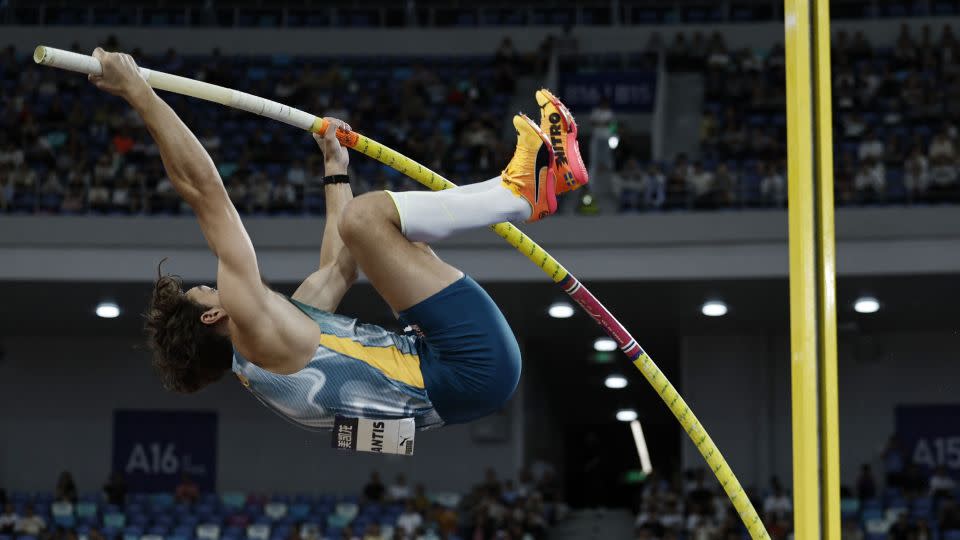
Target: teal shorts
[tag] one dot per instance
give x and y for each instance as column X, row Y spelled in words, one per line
column 469, row 357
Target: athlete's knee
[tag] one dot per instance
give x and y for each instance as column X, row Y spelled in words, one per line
column 361, row 216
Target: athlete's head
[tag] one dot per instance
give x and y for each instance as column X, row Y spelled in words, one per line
column 188, row 334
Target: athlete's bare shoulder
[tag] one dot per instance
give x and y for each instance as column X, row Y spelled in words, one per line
column 284, row 339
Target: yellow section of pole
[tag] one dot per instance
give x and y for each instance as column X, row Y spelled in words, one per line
column 803, row 290
column 826, row 255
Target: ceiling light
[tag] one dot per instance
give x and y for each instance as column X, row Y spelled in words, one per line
column 108, row 310
column 615, row 381
column 866, row 304
column 626, row 415
column 714, row 308
column 604, row 344
column 560, row 310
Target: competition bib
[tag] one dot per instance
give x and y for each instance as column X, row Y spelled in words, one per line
column 378, row 436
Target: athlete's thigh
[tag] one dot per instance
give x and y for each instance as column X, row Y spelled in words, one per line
column 403, row 273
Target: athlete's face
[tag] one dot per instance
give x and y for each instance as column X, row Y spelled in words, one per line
column 204, row 296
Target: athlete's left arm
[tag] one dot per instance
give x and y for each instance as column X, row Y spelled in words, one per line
column 337, row 272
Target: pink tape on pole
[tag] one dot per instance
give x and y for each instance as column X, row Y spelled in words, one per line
column 602, row 315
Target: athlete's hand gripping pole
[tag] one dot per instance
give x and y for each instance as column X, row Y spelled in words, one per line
column 514, row 236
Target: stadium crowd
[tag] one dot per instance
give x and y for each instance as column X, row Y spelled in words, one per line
column 519, row 509
column 908, row 503
column 67, row 149
column 895, row 131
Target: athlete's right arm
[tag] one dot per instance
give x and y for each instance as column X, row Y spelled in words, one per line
column 197, row 180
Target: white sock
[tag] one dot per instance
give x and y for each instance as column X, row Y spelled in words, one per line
column 428, row 216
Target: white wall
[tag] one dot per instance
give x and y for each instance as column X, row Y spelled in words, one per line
column 57, row 398
column 739, row 386
column 694, row 245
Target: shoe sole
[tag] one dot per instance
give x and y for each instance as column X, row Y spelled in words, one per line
column 572, row 146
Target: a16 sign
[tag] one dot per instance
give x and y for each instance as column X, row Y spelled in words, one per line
column 154, row 448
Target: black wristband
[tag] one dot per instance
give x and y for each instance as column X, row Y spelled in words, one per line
column 336, row 179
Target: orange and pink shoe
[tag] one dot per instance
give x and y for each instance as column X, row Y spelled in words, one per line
column 557, row 122
column 531, row 172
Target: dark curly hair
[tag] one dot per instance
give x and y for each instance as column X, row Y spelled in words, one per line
column 187, row 354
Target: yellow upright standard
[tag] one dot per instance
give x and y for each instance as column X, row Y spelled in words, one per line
column 827, row 295
column 812, row 271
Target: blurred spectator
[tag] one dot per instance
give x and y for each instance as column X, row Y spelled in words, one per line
column 506, row 52
column 51, row 192
column 892, row 453
column 676, row 187
column 655, row 187
column 777, row 503
column 285, row 87
column 30, row 523
column 700, row 185
column 66, row 488
column 567, row 44
column 123, row 142
column 854, row 125
column 187, row 490
column 74, row 200
column 210, row 140
column 942, row 151
column 678, row 55
column 914, row 484
column 949, row 514
column 725, row 186
column 24, row 182
column 165, row 198
column 6, row 188
column 943, row 181
column 870, row 182
column 941, row 483
column 115, row 490
column 374, row 490
column 122, row 199
column 866, row 485
column 399, row 490
column 372, row 532
column 238, row 191
column 99, row 196
column 297, row 175
column 718, row 57
column 871, row 147
column 901, row 529
column 105, row 168
column 409, row 520
column 10, row 154
column 338, row 110
column 772, row 185
column 651, row 523
column 893, row 153
column 8, row 519
column 260, row 191
column 850, row 530
column 628, row 184
column 420, row 500
column 283, row 197
column 601, row 122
